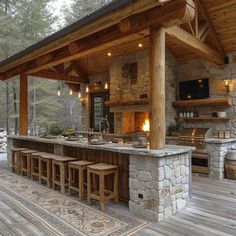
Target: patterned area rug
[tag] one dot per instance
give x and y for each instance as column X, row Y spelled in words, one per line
column 65, row 214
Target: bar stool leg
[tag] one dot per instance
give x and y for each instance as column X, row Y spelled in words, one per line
column 32, row 167
column 70, row 178
column 89, row 185
column 40, row 170
column 16, row 157
column 48, row 174
column 53, row 174
column 13, row 161
column 62, row 178
column 28, row 165
column 116, row 191
column 101, row 191
column 81, row 183
column 22, row 162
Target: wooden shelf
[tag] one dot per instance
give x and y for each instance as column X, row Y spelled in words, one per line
column 204, row 118
column 203, row 102
column 113, row 103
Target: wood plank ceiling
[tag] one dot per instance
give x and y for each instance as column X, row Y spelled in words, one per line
column 222, row 14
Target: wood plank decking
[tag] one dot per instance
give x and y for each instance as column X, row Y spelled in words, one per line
column 211, row 212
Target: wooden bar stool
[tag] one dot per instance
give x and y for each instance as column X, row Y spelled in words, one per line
column 60, row 179
column 16, row 160
column 100, row 193
column 79, row 185
column 45, row 168
column 25, row 157
column 35, row 158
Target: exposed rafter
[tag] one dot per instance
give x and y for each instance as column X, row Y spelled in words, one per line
column 211, row 27
column 49, row 74
column 191, row 43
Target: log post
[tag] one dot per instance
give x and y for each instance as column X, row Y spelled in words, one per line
column 157, row 88
column 23, row 104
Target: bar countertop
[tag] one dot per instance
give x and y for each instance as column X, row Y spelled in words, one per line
column 113, row 147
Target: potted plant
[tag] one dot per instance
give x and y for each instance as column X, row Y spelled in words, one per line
column 55, row 129
column 175, row 128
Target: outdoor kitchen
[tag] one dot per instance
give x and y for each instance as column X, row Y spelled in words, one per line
column 148, row 120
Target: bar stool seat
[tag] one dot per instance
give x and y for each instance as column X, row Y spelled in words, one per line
column 45, row 168
column 35, row 159
column 101, row 193
column 25, row 157
column 61, row 178
column 81, row 184
column 16, row 160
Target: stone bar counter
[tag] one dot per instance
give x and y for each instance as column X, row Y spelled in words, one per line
column 158, row 181
column 217, row 149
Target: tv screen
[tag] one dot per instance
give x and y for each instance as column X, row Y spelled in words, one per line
column 194, row 89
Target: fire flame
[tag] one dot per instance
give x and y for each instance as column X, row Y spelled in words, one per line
column 146, row 126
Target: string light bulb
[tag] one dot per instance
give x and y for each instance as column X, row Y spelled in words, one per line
column 71, row 92
column 140, row 45
column 59, row 91
column 109, row 54
column 87, row 89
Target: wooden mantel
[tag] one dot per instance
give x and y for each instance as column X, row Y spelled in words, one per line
column 129, row 102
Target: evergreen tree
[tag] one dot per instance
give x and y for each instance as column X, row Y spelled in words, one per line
column 81, row 8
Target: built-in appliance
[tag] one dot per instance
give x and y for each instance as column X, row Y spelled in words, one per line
column 196, row 137
column 194, row 89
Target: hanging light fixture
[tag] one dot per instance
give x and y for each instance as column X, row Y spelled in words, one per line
column 79, row 94
column 106, row 85
column 71, row 92
column 59, row 91
column 87, row 89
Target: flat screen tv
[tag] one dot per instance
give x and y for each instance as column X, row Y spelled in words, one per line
column 194, row 89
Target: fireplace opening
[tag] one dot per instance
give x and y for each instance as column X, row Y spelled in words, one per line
column 142, row 123
column 135, row 122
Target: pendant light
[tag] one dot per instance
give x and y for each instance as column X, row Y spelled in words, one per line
column 71, row 92
column 79, row 94
column 59, row 90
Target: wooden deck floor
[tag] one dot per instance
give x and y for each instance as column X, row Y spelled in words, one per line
column 211, row 212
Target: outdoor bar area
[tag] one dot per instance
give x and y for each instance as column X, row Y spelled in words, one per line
column 128, row 151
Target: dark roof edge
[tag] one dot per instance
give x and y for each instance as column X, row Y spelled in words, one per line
column 69, row 29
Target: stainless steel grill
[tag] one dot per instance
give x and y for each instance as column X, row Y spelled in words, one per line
column 196, row 137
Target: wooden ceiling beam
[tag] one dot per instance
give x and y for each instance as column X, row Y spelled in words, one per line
column 211, row 26
column 49, row 74
column 171, row 13
column 191, row 43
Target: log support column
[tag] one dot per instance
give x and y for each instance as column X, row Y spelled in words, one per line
column 157, row 88
column 23, row 104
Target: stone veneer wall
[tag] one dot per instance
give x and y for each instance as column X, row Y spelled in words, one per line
column 217, row 153
column 122, row 88
column 200, row 68
column 159, row 187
